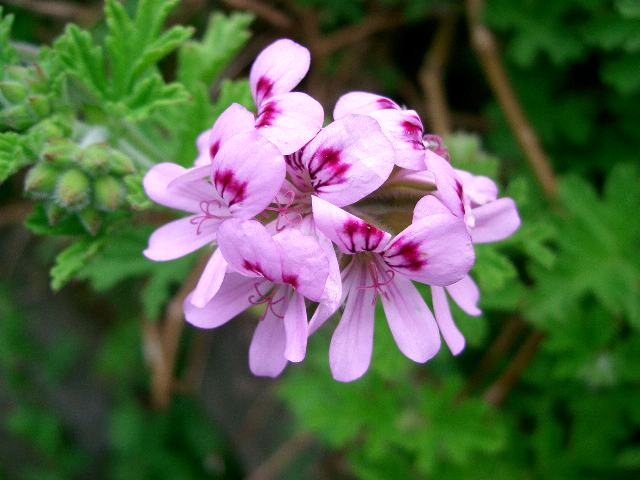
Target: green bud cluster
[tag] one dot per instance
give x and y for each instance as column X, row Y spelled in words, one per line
column 87, row 182
column 24, row 97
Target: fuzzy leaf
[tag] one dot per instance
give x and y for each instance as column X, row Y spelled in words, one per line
column 73, row 259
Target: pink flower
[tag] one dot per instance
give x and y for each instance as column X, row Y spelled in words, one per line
column 488, row 219
column 285, row 118
column 436, row 250
column 242, row 181
column 403, row 127
column 279, row 272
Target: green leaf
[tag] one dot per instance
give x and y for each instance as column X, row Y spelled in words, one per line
column 73, row 259
column 202, row 62
column 623, row 73
column 7, row 52
column 38, row 223
column 12, row 155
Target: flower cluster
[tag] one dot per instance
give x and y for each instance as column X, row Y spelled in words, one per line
column 284, row 200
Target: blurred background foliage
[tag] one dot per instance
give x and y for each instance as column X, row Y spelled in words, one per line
column 101, row 380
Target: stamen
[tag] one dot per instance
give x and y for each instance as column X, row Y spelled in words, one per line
column 377, row 283
column 267, row 298
column 205, row 208
column 285, row 210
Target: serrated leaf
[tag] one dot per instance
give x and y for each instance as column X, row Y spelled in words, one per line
column 12, row 155
column 7, row 52
column 73, row 259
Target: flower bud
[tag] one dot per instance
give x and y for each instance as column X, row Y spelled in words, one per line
column 62, row 152
column 95, row 158
column 108, row 193
column 121, row 164
column 17, row 73
column 14, row 92
column 39, row 104
column 17, row 117
column 73, row 190
column 54, row 213
column 41, row 180
column 91, row 219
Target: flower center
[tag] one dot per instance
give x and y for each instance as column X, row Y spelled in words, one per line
column 290, row 212
column 379, row 279
column 266, row 298
column 206, row 207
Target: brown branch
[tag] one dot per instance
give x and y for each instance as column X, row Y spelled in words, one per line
column 432, row 72
column 62, row 10
column 485, row 45
column 263, row 10
column 14, row 213
column 357, row 33
column 503, row 342
column 161, row 342
column 498, row 390
column 273, row 466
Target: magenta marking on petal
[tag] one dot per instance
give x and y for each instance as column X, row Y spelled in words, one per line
column 213, row 149
column 386, row 104
column 232, row 190
column 413, row 131
column 408, row 255
column 267, row 115
column 253, row 267
column 326, row 168
column 290, row 279
column 264, row 87
column 459, row 190
column 436, row 145
column 371, row 235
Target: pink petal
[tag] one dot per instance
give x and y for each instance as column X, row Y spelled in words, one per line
column 278, row 69
column 332, row 294
column 290, row 120
column 449, row 188
column 266, row 352
column 295, row 325
column 466, row 294
column 404, row 129
column 361, row 103
column 435, row 250
column 249, row 249
column 479, row 189
column 179, row 238
column 304, row 265
column 427, row 206
column 452, row 336
column 323, row 312
column 352, row 342
column 247, row 174
column 421, row 178
column 156, row 184
column 495, row 221
column 235, row 119
column 231, row 300
column 412, row 325
column 347, row 231
column 210, row 280
column 348, row 159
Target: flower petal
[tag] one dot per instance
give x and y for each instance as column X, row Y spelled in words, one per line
column 232, row 299
column 295, row 325
column 404, row 129
column 449, row 188
column 235, row 119
column 352, row 342
column 427, row 206
column 452, row 336
column 411, row 322
column 435, row 250
column 249, row 249
column 347, row 231
column 479, row 189
column 348, row 159
column 247, row 173
column 156, row 184
column 278, row 69
column 361, row 103
column 304, row 265
column 495, row 221
column 180, row 237
column 266, row 352
column 210, row 280
column 290, row 120
column 324, row 311
column 466, row 294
